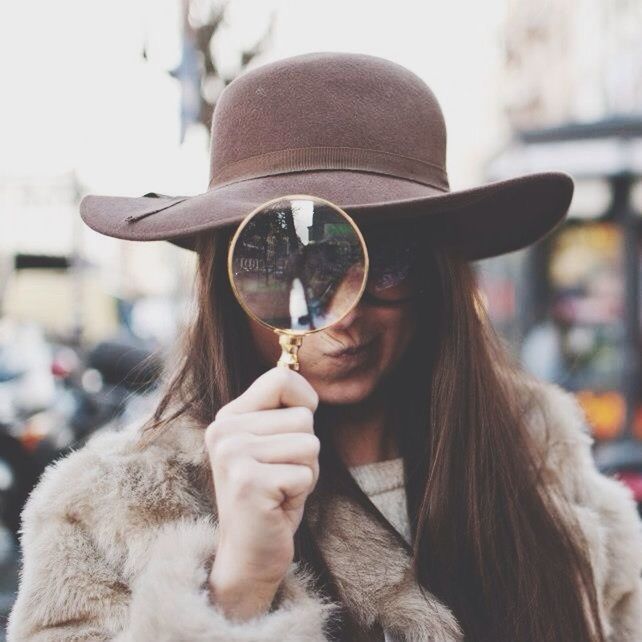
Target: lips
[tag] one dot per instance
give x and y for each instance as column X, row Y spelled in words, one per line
column 351, row 350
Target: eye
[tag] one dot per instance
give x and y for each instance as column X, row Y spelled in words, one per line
column 391, row 261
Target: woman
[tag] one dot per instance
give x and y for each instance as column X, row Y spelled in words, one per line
column 410, row 482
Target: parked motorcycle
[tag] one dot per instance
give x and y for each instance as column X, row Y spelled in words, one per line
column 113, row 384
column 27, row 390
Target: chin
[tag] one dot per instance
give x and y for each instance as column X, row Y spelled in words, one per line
column 342, row 391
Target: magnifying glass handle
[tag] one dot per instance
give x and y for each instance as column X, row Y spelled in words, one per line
column 290, row 344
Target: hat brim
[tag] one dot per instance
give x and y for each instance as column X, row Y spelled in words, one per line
column 483, row 221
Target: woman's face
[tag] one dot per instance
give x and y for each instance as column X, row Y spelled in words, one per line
column 384, row 330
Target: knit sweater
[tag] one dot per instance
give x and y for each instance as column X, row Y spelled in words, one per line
column 383, row 482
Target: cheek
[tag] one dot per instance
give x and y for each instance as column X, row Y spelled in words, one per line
column 398, row 331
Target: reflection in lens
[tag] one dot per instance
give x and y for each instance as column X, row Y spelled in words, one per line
column 298, row 264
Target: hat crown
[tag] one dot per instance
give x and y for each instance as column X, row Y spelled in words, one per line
column 329, row 100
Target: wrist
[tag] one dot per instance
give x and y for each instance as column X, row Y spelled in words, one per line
column 233, row 565
column 240, row 598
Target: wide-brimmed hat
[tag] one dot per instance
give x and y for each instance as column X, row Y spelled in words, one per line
column 358, row 130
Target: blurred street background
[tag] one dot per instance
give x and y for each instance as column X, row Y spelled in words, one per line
column 116, row 98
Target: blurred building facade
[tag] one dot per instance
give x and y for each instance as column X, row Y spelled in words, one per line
column 570, row 304
column 571, row 60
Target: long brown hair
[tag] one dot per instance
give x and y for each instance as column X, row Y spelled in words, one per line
column 487, row 540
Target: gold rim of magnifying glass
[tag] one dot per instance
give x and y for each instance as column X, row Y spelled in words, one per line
column 247, row 219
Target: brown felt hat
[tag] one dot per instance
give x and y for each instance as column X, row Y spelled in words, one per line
column 356, row 129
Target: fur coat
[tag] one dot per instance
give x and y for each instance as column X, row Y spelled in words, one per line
column 117, row 545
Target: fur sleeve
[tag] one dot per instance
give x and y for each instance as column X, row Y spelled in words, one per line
column 605, row 510
column 76, row 584
column 170, row 599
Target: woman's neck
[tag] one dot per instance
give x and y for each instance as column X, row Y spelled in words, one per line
column 362, row 433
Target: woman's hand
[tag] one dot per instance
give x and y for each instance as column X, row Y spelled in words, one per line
column 265, row 463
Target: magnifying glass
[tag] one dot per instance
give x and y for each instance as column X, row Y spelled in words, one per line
column 297, row 264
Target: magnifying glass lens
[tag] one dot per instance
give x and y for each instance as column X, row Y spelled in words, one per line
column 298, row 264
